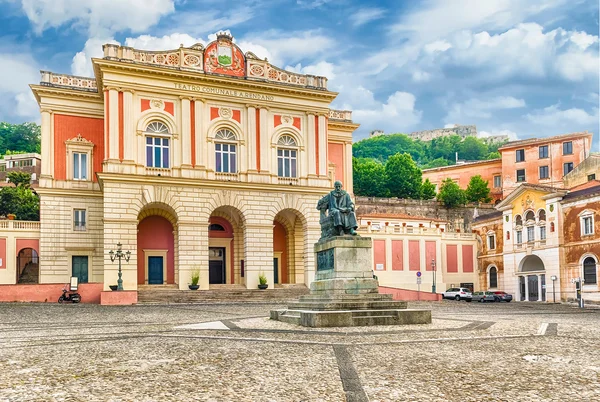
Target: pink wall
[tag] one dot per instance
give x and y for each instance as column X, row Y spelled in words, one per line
column 336, row 156
column 409, row 295
column 414, row 255
column 429, row 254
column 379, row 252
column 28, row 243
column 451, row 258
column 121, row 298
column 467, row 257
column 90, row 293
column 3, row 253
column 397, row 256
column 280, row 244
column 155, row 233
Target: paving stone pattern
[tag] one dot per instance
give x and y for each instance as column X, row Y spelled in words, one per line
column 470, row 352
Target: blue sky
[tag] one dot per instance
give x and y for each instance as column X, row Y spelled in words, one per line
column 525, row 68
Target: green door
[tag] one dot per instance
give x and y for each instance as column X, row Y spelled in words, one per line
column 80, row 268
column 155, row 270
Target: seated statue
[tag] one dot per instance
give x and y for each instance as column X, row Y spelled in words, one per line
column 341, row 219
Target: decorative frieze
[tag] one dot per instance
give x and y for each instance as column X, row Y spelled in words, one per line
column 65, row 80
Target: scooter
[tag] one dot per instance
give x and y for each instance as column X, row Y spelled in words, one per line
column 68, row 296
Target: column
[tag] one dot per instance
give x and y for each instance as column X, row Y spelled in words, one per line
column 526, row 288
column 200, row 144
column 251, row 133
column 186, row 133
column 348, row 185
column 258, row 250
column 323, row 159
column 113, row 124
column 129, row 140
column 265, row 144
column 46, row 134
column 539, row 278
column 311, row 145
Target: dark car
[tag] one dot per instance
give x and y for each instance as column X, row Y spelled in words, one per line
column 502, row 296
column 484, row 297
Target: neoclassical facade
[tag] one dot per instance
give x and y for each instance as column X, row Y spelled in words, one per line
column 199, row 158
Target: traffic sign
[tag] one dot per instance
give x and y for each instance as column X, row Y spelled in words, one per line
column 418, row 281
column 418, row 274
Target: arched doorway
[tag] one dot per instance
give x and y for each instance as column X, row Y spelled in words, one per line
column 28, row 263
column 532, row 279
column 226, row 247
column 156, row 251
column 289, row 246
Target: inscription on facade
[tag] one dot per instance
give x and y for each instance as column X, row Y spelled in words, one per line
column 325, row 260
column 222, row 91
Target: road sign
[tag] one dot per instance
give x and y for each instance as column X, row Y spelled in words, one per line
column 418, row 281
column 418, row 274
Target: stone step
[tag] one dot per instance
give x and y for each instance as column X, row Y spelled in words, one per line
column 347, row 305
column 224, row 294
column 346, row 297
column 321, row 319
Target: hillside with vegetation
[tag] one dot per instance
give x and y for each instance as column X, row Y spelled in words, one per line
column 390, row 165
column 19, row 138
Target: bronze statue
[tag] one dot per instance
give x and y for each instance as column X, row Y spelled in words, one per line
column 341, row 219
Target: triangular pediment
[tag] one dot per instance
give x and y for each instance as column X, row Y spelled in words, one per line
column 520, row 192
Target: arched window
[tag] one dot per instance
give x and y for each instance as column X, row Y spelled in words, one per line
column 542, row 215
column 287, row 157
column 589, row 271
column 216, row 227
column 518, row 220
column 225, row 151
column 157, row 145
column 493, row 277
column 529, row 216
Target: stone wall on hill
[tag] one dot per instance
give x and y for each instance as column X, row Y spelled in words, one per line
column 428, row 135
column 458, row 218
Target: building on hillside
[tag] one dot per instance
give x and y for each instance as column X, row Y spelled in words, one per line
column 28, row 163
column 428, row 135
column 199, row 158
column 542, row 161
column 489, row 170
column 376, row 133
column 541, row 233
column 404, row 245
column 586, row 172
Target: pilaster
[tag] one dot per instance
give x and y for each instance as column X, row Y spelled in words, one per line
column 251, row 130
column 113, row 124
column 323, row 159
column 265, row 154
column 311, row 146
column 47, row 170
column 186, row 133
column 129, row 140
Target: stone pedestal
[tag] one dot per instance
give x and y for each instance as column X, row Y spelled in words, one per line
column 345, row 293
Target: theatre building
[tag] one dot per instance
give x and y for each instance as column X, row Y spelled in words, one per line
column 199, row 158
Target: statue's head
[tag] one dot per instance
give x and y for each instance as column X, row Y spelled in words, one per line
column 337, row 185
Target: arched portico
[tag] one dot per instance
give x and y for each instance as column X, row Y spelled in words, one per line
column 225, row 246
column 156, row 245
column 289, row 246
column 532, row 279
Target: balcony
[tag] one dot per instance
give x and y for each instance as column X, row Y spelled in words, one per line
column 19, row 225
column 291, row 181
column 153, row 171
column 227, row 176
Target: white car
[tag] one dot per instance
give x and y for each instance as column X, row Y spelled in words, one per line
column 458, row 294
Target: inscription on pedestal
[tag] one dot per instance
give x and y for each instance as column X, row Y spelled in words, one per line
column 325, row 260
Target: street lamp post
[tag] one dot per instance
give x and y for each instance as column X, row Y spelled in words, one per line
column 119, row 254
column 553, row 277
column 433, row 269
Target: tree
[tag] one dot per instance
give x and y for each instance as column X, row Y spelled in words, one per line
column 427, row 190
column 404, row 178
column 19, row 137
column 438, row 162
column 472, row 149
column 369, row 177
column 478, row 190
column 19, row 178
column 493, row 155
column 20, row 200
column 450, row 194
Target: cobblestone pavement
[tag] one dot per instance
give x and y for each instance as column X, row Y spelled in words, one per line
column 471, row 352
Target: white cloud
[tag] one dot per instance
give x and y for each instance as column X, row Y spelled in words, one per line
column 166, row 42
column 212, row 20
column 583, row 40
column 437, row 46
column 98, row 17
column 16, row 98
column 365, row 15
column 81, row 64
column 398, row 114
column 321, row 68
column 553, row 116
column 475, row 108
column 420, row 76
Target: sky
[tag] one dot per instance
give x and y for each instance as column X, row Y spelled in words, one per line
column 523, row 68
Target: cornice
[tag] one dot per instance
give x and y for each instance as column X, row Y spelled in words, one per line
column 204, row 183
column 43, row 90
column 69, row 192
column 344, row 126
column 185, row 77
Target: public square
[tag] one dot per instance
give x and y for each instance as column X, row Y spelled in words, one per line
column 233, row 352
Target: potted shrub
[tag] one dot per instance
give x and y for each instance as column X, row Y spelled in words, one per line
column 11, row 217
column 262, row 281
column 195, row 278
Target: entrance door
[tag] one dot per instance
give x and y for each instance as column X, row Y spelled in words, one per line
column 522, row 288
column 80, row 268
column 216, row 265
column 533, row 287
column 275, row 270
column 155, row 271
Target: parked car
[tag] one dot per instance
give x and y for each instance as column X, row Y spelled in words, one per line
column 484, row 296
column 502, row 296
column 458, row 294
